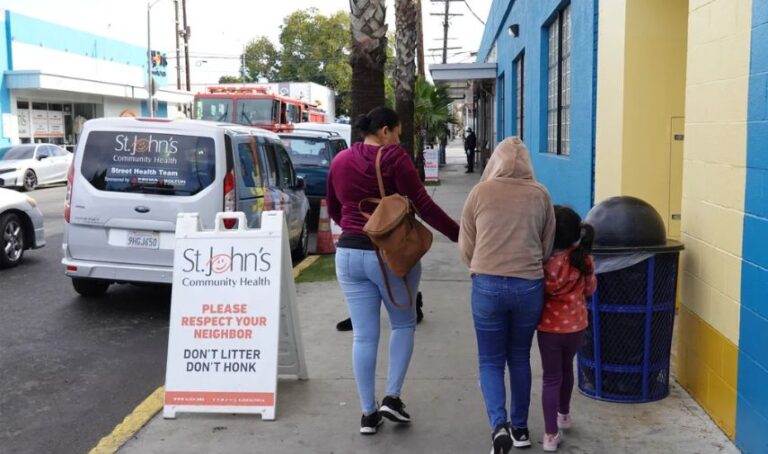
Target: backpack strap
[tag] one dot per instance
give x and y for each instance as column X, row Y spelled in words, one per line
column 380, row 179
column 383, row 193
column 389, row 287
column 378, row 173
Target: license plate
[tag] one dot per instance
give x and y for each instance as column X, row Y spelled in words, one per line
column 143, row 240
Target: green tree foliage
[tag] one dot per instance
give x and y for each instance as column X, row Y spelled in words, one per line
column 389, row 71
column 262, row 60
column 231, row 80
column 432, row 108
column 313, row 48
column 432, row 113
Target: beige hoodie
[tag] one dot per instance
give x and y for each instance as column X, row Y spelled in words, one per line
column 508, row 223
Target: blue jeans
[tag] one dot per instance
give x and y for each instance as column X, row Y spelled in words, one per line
column 506, row 311
column 364, row 289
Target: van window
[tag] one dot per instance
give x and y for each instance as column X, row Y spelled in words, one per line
column 250, row 172
column 286, row 168
column 306, row 151
column 338, row 146
column 149, row 163
column 272, row 165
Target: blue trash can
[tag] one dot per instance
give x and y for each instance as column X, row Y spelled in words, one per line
column 626, row 350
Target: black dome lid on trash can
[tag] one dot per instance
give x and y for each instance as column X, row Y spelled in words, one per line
column 627, row 224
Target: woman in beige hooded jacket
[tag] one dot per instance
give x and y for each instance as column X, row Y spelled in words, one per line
column 507, row 232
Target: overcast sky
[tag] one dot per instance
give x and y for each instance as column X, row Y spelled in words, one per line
column 221, row 28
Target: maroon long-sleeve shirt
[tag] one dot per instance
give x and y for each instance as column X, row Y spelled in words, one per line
column 352, row 178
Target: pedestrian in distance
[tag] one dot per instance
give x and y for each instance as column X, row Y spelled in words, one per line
column 353, row 179
column 443, row 145
column 470, row 143
column 507, row 231
column 569, row 278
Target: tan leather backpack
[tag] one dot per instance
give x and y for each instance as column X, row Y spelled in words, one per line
column 400, row 239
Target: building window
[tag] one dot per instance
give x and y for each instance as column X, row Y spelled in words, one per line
column 520, row 95
column 559, row 84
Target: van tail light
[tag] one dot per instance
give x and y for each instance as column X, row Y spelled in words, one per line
column 68, row 200
column 229, row 198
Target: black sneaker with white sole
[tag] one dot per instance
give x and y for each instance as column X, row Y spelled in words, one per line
column 520, row 437
column 393, row 409
column 370, row 424
column 502, row 442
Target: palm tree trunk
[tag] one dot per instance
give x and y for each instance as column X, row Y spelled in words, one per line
column 405, row 79
column 369, row 54
column 420, row 53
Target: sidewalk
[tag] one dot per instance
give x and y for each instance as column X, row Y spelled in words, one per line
column 322, row 415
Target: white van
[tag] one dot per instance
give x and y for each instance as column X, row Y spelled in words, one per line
column 345, row 131
column 132, row 176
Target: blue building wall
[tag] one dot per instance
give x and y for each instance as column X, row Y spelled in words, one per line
column 752, row 404
column 569, row 178
column 29, row 30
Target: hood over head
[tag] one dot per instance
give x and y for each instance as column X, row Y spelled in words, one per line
column 510, row 159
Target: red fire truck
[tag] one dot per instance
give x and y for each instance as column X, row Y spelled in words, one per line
column 254, row 106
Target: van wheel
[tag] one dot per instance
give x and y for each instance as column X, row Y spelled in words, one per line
column 302, row 249
column 90, row 288
column 30, row 180
column 11, row 240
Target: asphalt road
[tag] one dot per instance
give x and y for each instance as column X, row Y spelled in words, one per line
column 70, row 368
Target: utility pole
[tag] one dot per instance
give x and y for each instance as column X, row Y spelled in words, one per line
column 446, row 24
column 186, row 43
column 178, row 49
column 445, row 31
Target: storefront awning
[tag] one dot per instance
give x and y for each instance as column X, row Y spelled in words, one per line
column 462, row 72
column 32, row 80
column 174, row 96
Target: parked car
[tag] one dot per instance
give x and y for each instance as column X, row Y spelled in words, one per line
column 21, row 227
column 343, row 130
column 312, row 153
column 132, row 176
column 27, row 166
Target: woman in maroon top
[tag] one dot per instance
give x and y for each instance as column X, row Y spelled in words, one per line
column 352, row 178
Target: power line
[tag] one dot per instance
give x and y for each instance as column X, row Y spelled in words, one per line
column 473, row 13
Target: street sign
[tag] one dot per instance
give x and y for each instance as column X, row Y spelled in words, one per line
column 431, row 164
column 234, row 324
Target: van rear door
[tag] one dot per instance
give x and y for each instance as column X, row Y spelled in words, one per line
column 130, row 185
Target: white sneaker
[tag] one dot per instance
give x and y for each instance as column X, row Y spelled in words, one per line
column 551, row 442
column 563, row 421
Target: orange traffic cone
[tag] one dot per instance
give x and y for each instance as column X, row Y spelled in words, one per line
column 324, row 238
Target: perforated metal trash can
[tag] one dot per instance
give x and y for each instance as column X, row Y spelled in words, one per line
column 626, row 350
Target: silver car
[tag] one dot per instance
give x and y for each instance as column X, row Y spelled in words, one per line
column 21, row 227
column 27, row 166
column 131, row 177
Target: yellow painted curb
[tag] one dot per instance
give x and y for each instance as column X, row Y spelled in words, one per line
column 306, row 263
column 146, row 410
column 131, row 424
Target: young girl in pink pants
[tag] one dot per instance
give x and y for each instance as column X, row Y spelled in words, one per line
column 569, row 278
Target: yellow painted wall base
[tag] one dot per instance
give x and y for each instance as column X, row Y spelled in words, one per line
column 706, row 366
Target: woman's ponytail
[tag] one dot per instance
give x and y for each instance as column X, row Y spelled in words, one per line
column 363, row 123
column 583, row 249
